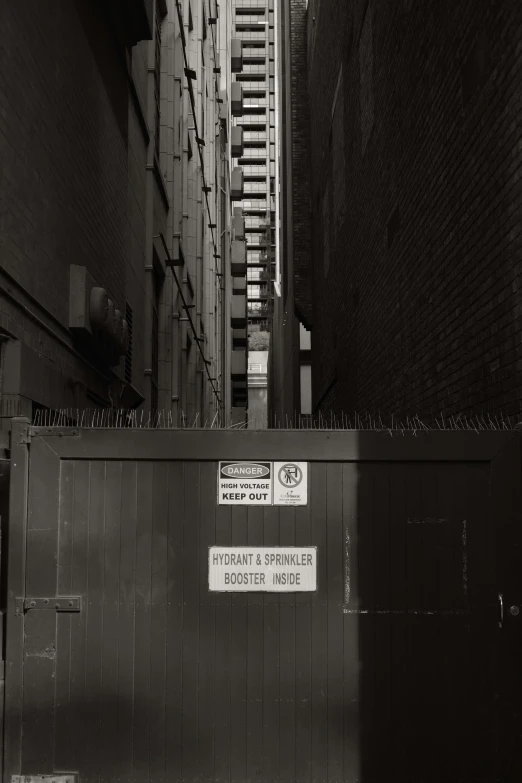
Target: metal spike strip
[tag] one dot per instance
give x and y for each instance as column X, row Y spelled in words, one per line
column 364, row 421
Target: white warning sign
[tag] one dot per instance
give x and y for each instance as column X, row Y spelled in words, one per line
column 262, row 569
column 245, row 483
column 290, row 483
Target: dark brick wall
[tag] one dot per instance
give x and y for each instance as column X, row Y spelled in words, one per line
column 72, row 163
column 63, row 153
column 416, row 161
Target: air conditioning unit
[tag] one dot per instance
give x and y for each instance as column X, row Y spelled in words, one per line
column 236, row 186
column 236, row 55
column 237, row 141
column 236, row 102
column 238, row 316
column 238, row 225
column 239, row 364
column 238, row 266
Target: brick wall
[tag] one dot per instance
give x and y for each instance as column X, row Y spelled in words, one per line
column 415, row 150
column 63, row 158
column 67, row 193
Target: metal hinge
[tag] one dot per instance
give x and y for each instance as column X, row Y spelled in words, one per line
column 25, row 437
column 58, row 432
column 67, row 603
column 69, row 778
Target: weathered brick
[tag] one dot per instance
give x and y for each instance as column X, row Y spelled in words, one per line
column 65, row 180
column 418, row 309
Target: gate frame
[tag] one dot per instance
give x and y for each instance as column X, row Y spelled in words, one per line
column 191, row 445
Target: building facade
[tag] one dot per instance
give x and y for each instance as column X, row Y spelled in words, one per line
column 115, row 239
column 415, row 207
column 256, row 133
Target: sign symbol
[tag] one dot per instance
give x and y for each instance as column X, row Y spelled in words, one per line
column 290, row 475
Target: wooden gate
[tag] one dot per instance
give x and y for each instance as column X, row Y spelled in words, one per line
column 404, row 666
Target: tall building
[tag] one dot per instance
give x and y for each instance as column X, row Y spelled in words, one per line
column 289, row 385
column 414, row 208
column 115, row 233
column 256, row 137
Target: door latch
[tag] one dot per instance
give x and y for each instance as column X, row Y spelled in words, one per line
column 61, row 603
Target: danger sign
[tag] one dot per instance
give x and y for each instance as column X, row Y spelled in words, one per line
column 245, row 483
column 263, row 483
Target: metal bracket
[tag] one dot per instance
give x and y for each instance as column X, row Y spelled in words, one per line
column 68, row 778
column 67, row 603
column 59, row 432
column 25, row 436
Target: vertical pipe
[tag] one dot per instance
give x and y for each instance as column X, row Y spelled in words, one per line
column 277, row 282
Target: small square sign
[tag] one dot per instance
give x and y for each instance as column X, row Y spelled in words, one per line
column 290, row 483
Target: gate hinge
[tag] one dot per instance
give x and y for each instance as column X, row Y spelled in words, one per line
column 61, row 603
column 68, row 778
column 59, row 432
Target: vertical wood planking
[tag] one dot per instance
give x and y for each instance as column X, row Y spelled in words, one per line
column 158, row 628
column 222, row 682
column 190, row 565
column 238, row 660
column 142, row 628
column 63, row 711
column 303, row 636
column 255, row 660
column 174, row 685
column 367, row 601
column 505, row 509
column 441, row 590
column 319, row 626
column 444, row 491
column 287, row 657
column 381, row 713
column 271, row 653
column 397, row 603
column 94, row 641
column 478, row 569
column 40, row 626
column 207, row 635
column 80, row 708
column 127, row 612
column 351, row 663
column 408, row 715
column 334, row 638
column 111, row 616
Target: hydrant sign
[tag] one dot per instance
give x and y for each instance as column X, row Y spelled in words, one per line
column 263, row 483
column 262, row 569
